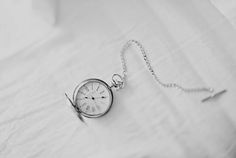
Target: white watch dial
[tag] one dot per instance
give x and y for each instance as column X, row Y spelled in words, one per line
column 93, row 98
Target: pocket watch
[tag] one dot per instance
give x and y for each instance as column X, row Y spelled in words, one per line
column 93, row 97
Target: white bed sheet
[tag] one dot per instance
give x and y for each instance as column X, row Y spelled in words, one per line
column 47, row 47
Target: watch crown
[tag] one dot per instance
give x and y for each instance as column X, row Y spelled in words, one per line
column 117, row 82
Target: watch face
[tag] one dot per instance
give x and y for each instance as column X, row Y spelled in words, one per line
column 93, row 98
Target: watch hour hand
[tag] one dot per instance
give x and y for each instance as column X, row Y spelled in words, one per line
column 76, row 109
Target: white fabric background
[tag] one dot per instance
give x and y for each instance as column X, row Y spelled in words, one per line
column 47, row 47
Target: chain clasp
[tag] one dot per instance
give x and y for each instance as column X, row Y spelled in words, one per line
column 117, row 82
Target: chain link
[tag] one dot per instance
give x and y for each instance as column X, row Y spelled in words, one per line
column 151, row 70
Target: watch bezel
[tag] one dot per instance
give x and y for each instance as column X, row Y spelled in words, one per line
column 82, row 84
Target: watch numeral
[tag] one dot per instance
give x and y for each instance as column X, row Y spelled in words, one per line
column 86, row 88
column 88, row 108
column 98, row 107
column 101, row 102
column 98, row 87
column 93, row 109
column 81, row 92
